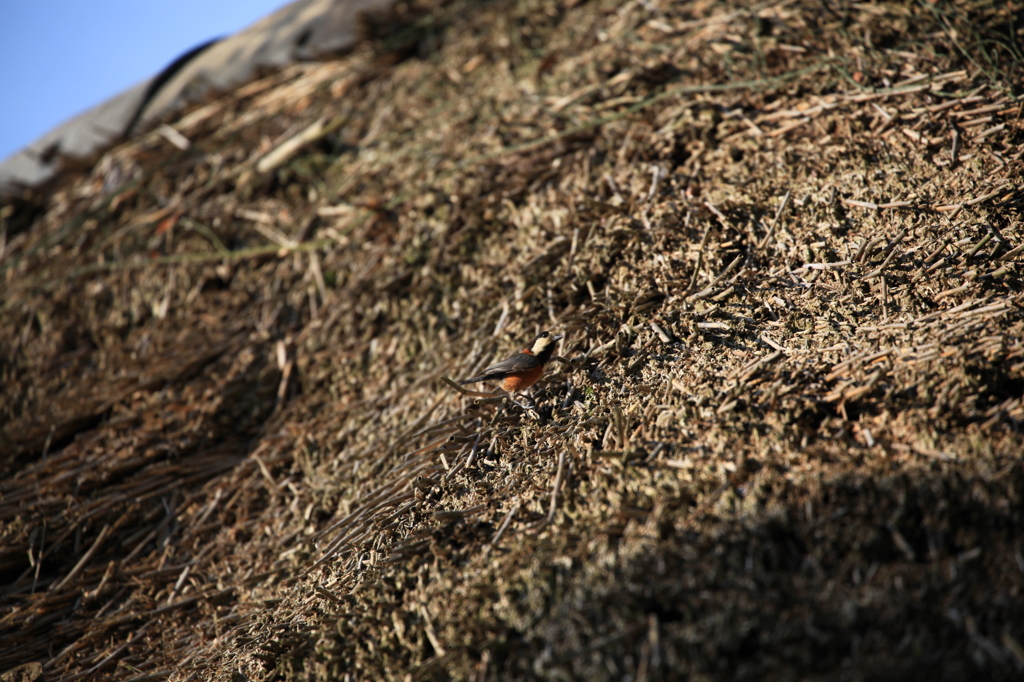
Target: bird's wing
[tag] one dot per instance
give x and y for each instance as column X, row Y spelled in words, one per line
column 520, row 362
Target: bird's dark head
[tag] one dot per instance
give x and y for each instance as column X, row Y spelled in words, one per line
column 544, row 344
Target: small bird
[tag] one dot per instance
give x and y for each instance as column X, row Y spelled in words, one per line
column 523, row 369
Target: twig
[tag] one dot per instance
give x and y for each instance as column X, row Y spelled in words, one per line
column 700, row 261
column 428, row 627
column 209, row 234
column 557, row 485
column 775, row 221
column 84, row 560
column 504, row 526
column 275, row 157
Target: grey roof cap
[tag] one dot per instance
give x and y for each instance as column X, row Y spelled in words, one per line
column 300, row 31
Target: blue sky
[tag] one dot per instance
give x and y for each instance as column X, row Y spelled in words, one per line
column 61, row 57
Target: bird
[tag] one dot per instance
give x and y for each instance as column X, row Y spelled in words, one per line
column 523, row 369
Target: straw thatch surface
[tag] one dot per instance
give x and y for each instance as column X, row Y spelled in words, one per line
column 783, row 439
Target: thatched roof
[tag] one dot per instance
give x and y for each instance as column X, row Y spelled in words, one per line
column 782, row 439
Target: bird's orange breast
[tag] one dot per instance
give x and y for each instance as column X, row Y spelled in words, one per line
column 521, row 380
